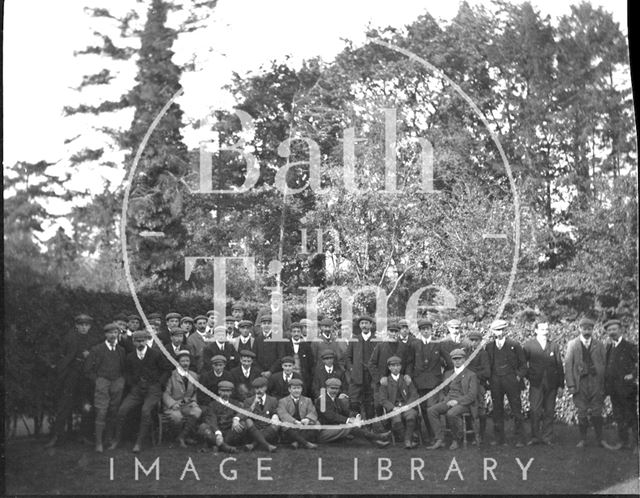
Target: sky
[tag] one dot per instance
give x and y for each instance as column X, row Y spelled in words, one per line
column 40, row 70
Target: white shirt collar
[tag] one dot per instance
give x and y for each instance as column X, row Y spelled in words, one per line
column 500, row 342
column 542, row 340
column 141, row 354
column 366, row 337
column 395, row 377
column 617, row 343
column 111, row 348
column 584, row 341
column 244, row 340
column 328, row 369
column 246, row 371
column 457, row 370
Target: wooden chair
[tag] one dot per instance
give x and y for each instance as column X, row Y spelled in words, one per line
column 418, row 426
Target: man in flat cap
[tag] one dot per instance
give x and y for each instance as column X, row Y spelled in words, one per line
column 584, row 370
column 179, row 398
column 427, row 368
column 546, row 378
column 299, row 410
column 277, row 308
column 404, row 334
column 300, row 352
column 146, row 371
column 104, row 367
column 327, row 340
column 133, row 324
column 220, row 346
column 124, row 335
column 453, row 340
column 197, row 342
column 176, row 344
column 395, row 394
column 359, row 351
column 172, row 320
column 278, row 385
column 232, row 331
column 264, row 434
column 325, row 370
column 220, row 422
column 212, row 377
column 74, row 390
column 459, row 397
column 480, row 366
column 266, row 348
column 508, row 369
column 306, row 325
column 237, row 312
column 245, row 339
column 333, row 410
column 244, row 374
column 621, row 383
column 187, row 324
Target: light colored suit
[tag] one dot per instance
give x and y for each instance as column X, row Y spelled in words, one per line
column 286, row 409
column 175, row 393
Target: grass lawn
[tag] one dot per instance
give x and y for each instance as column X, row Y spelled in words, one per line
column 561, row 469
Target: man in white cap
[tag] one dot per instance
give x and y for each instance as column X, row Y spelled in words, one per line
column 454, row 339
column 508, row 368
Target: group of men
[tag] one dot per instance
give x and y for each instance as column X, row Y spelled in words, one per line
column 271, row 392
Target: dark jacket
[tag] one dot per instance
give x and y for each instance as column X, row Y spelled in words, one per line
column 397, row 393
column 515, row 357
column 269, row 409
column 356, row 361
column 320, row 376
column 544, row 363
column 622, row 360
column 228, row 351
column 428, row 364
column 267, row 352
column 210, row 381
column 277, row 387
column 152, row 369
column 381, row 353
column 240, row 380
column 306, row 360
column 73, row 345
column 97, row 356
column 336, row 411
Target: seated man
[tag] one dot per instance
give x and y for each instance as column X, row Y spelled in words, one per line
column 333, row 410
column 220, row 422
column 394, row 395
column 179, row 398
column 244, row 374
column 462, row 394
column 299, row 410
column 326, row 370
column 264, row 434
column 145, row 371
column 212, row 378
column 278, row 384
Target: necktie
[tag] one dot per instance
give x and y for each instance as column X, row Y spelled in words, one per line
column 296, row 411
column 260, row 404
column 185, row 380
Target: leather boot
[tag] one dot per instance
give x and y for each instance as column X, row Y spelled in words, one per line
column 99, row 431
column 260, row 440
column 408, row 435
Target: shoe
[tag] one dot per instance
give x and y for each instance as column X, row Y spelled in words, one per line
column 533, row 440
column 454, row 445
column 519, row 444
column 603, row 444
column 384, row 435
column 99, row 448
column 114, row 445
column 310, row 446
column 580, row 444
column 382, row 444
column 248, row 447
column 438, row 444
column 409, row 445
column 136, row 448
column 271, row 448
column 294, row 445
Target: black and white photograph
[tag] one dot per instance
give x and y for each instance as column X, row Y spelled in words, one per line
column 320, row 248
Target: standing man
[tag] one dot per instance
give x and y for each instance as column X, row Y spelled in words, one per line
column 454, row 339
column 584, row 370
column 105, row 369
column 327, row 369
column 481, row 367
column 197, row 342
column 211, row 378
column 359, row 352
column 266, row 348
column 274, row 309
column 245, row 340
column 220, row 346
column 508, row 368
column 426, row 369
column 278, row 385
column 146, row 371
column 327, row 340
column 621, row 383
column 73, row 388
column 546, row 379
column 187, row 324
column 172, row 320
column 237, row 312
column 300, row 351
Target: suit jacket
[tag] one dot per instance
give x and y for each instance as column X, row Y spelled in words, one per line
column 97, row 356
column 196, row 344
column 286, row 409
column 479, row 365
column 73, row 345
column 573, row 367
column 304, row 355
column 238, row 346
column 515, row 357
column 267, row 353
column 126, row 342
column 381, row 353
column 428, row 364
column 337, row 346
column 277, row 386
column 544, row 363
column 219, row 416
column 336, row 411
column 622, row 360
column 151, row 369
column 469, row 382
column 397, row 393
column 356, row 360
column 269, row 409
column 210, row 381
column 227, row 350
column 175, row 392
column 320, row 375
column 240, row 380
column 286, row 319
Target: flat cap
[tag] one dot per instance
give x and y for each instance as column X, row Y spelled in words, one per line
column 366, row 318
column 186, row 319
column 173, row 315
column 237, row 306
column 229, row 319
column 499, row 324
column 587, row 322
column 458, row 353
column 454, row 323
column 613, row 321
column 245, row 323
column 305, row 322
column 110, row 326
column 259, row 382
column 120, row 317
column 140, row 334
column 220, row 329
column 247, row 353
column 155, row 316
column 225, row 385
column 393, row 326
column 296, row 382
column 133, row 317
column 287, row 359
column 327, row 322
column 403, row 323
column 296, row 325
column 219, row 358
column 474, row 334
column 176, row 331
column 211, row 312
column 83, row 318
column 200, row 317
column 155, row 321
column 423, row 322
column 183, row 352
column 333, row 382
column 327, row 353
column 265, row 318
column 394, row 360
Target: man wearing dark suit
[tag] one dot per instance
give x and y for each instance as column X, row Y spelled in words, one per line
column 245, row 339
column 198, row 341
column 481, row 367
column 264, row 434
column 620, row 383
column 327, row 339
column 104, row 367
column 220, row 422
column 546, row 376
column 124, row 334
column 299, row 410
column 278, row 384
column 300, row 352
column 461, row 394
column 508, row 368
column 188, row 325
column 74, row 390
column 219, row 346
column 172, row 320
column 359, row 352
column 146, row 371
column 326, row 370
column 244, row 374
column 212, row 377
column 266, row 348
column 275, row 307
column 454, row 338
column 427, row 367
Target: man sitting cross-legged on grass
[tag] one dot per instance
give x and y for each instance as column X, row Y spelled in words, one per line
column 264, row 434
column 462, row 394
column 334, row 410
column 299, row 410
column 220, row 421
column 179, row 398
